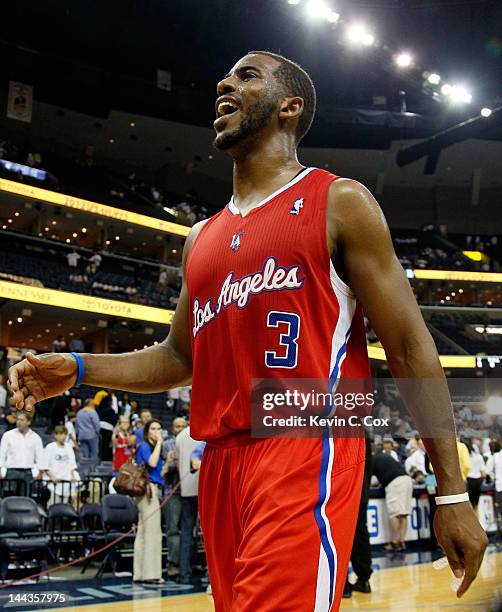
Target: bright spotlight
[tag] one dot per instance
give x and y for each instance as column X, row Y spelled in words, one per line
column 358, row 34
column 293, row 1
column 404, row 60
column 486, row 112
column 434, row 78
column 317, row 8
column 459, row 94
column 332, row 17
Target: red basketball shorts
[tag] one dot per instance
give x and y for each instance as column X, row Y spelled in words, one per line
column 278, row 518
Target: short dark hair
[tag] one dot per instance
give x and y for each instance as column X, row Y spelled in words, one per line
column 59, row 429
column 296, row 82
column 26, row 413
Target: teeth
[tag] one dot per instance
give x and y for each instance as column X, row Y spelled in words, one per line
column 225, row 108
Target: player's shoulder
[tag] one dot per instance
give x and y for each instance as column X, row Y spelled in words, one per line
column 350, row 201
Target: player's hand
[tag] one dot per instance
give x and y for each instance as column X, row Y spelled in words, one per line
column 463, row 540
column 41, row 376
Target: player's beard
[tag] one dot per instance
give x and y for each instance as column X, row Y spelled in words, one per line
column 257, row 118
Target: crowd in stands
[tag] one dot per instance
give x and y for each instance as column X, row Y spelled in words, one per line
column 91, row 274
column 82, row 178
column 90, row 439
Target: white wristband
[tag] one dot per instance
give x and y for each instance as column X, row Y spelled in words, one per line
column 452, row 499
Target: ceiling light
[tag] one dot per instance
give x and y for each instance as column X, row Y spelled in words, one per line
column 47, row 331
column 16, row 214
column 486, row 112
column 9, row 220
column 74, row 234
column 68, row 241
column 460, row 94
column 4, row 227
column 132, row 124
column 332, row 17
column 317, row 8
column 10, row 322
column 293, row 2
column 358, row 34
column 446, row 89
column 434, row 78
column 173, row 251
column 107, row 242
column 117, row 237
column 84, row 230
column 46, row 229
column 112, row 140
column 404, row 60
column 53, row 222
column 84, row 327
column 20, row 319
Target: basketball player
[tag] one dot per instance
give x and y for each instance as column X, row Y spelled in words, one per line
column 274, row 286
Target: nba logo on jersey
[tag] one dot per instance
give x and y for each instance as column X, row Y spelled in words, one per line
column 236, row 241
column 295, row 210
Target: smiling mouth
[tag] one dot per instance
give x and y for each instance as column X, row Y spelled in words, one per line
column 226, row 108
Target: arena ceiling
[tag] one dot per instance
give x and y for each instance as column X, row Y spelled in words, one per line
column 95, row 57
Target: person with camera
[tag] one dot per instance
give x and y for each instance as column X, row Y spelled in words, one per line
column 148, row 542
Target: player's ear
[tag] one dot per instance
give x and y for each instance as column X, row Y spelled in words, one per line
column 291, row 108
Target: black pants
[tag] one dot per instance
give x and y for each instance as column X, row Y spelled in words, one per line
column 361, row 548
column 24, row 488
column 474, row 490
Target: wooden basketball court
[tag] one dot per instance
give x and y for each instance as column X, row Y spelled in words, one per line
column 404, row 589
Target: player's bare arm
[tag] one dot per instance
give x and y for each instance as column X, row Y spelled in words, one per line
column 362, row 251
column 154, row 369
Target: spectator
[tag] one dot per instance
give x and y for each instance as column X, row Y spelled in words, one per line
column 464, row 459
column 476, row 475
column 148, row 542
column 123, row 443
column 94, row 263
column 70, row 429
column 59, row 345
column 494, row 469
column 88, row 427
column 145, row 416
column 400, row 428
column 124, row 405
column 21, row 451
column 59, row 465
column 134, row 415
column 416, row 461
column 398, row 497
column 388, row 448
column 108, row 420
column 72, row 259
column 185, row 445
column 3, row 396
column 58, row 410
column 76, row 345
column 75, row 400
column 172, row 509
column 162, row 283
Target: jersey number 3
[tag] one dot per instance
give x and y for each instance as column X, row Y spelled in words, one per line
column 287, row 340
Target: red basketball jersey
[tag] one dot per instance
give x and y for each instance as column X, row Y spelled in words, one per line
column 265, row 302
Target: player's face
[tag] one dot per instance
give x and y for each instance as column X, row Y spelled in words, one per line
column 248, row 100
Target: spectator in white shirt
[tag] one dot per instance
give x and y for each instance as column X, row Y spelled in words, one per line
column 60, row 467
column 72, row 259
column 416, row 461
column 21, row 451
column 476, row 474
column 494, row 469
column 94, row 263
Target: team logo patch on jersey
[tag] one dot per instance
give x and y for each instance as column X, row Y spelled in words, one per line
column 236, row 241
column 297, row 206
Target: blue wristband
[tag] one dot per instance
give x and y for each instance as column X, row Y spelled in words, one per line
column 80, row 369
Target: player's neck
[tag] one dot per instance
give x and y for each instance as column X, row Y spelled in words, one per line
column 261, row 172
